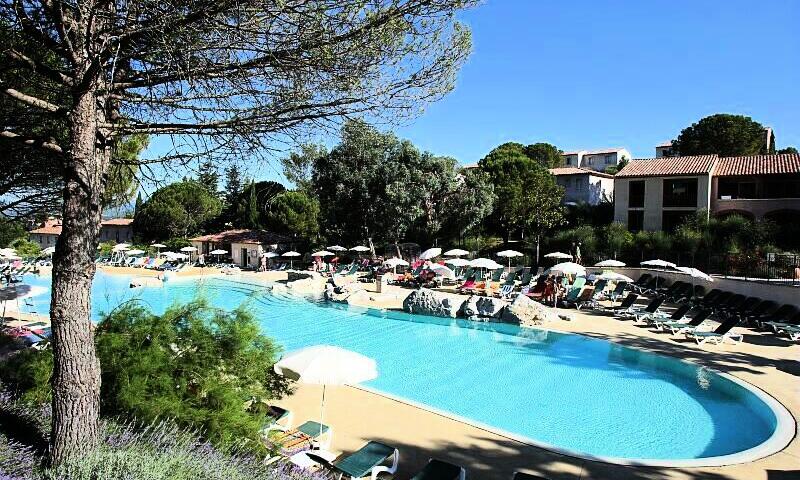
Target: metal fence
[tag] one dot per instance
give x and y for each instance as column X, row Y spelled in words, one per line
column 769, row 268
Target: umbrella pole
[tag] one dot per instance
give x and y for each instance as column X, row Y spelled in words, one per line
column 322, row 413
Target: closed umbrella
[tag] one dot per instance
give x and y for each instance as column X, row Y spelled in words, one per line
column 326, row 365
column 558, row 255
column 456, row 252
column 509, row 254
column 610, row 263
column 291, row 254
column 430, row 253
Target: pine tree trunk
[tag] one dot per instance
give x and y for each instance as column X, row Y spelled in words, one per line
column 76, row 373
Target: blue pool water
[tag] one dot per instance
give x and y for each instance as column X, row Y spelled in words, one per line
column 585, row 395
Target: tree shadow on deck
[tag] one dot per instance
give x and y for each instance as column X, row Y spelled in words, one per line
column 487, row 458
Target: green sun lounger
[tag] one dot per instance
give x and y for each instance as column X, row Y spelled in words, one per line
column 440, row 470
column 367, row 460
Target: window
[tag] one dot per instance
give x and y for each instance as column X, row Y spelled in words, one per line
column 610, row 159
column 733, row 189
column 672, row 219
column 680, row 192
column 636, row 194
column 635, row 220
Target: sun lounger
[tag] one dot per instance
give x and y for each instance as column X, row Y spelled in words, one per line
column 679, row 326
column 440, row 470
column 626, row 305
column 793, row 331
column 676, row 316
column 777, row 326
column 585, row 297
column 280, row 419
column 649, row 310
column 617, row 292
column 778, row 317
column 469, row 286
column 369, row 460
column 760, row 311
column 722, row 333
column 308, row 435
column 497, row 275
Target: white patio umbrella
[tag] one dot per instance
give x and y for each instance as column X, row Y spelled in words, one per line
column 326, row 365
column 394, row 262
column 291, row 254
column 360, row 248
column 443, row 271
column 49, row 250
column 456, row 252
column 430, row 253
column 218, row 252
column 120, row 247
column 610, row 263
column 189, row 250
column 559, row 255
column 271, row 255
column 322, row 253
column 337, row 248
column 7, row 252
column 487, row 263
column 457, row 262
column 614, row 277
column 568, row 268
column 695, row 273
column 658, row 263
column 509, row 254
column 134, row 252
column 158, row 247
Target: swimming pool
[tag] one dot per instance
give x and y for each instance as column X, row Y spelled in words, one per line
column 571, row 393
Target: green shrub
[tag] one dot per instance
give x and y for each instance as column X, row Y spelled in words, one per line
column 202, row 367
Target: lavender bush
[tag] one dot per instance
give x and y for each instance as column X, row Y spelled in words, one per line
column 133, row 452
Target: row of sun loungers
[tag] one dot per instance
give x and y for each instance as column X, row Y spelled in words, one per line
column 728, row 308
column 307, row 445
column 151, row 263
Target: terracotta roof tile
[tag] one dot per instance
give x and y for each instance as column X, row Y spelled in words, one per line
column 652, row 167
column 758, row 165
column 243, row 236
column 578, row 171
column 48, row 230
column 118, row 221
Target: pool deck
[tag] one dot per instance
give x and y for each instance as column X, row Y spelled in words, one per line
column 358, row 415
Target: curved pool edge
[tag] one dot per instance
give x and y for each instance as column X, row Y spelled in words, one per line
column 785, row 432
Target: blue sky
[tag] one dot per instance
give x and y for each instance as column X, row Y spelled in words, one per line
column 592, row 74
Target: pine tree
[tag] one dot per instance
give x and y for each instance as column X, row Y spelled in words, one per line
column 233, row 184
column 208, row 177
column 138, row 205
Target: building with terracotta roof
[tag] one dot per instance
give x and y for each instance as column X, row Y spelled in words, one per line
column 658, row 193
column 583, row 185
column 117, row 230
column 665, row 149
column 598, row 160
column 244, row 246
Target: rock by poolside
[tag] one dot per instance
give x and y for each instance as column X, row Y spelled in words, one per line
column 428, row 302
column 527, row 312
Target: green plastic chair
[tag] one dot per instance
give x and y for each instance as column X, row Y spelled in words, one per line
column 440, row 470
column 367, row 460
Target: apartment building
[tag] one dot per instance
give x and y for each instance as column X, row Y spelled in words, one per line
column 583, row 185
column 597, row 160
column 658, row 193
